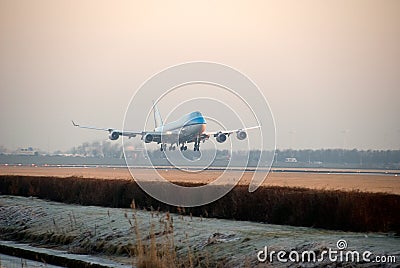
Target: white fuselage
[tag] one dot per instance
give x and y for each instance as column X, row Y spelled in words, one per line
column 186, row 129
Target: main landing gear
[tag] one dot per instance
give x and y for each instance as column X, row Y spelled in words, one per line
column 183, row 147
column 164, row 147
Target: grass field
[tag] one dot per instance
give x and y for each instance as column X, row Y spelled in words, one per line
column 329, row 209
column 334, row 202
column 162, row 239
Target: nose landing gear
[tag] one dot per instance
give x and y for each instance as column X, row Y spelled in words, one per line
column 171, row 148
column 196, row 145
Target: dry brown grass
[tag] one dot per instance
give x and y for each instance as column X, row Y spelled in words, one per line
column 148, row 252
column 345, row 182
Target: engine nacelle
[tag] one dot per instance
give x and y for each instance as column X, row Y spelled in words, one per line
column 221, row 137
column 241, row 135
column 113, row 135
column 148, row 138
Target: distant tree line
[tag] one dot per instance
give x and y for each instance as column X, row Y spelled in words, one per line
column 341, row 156
column 98, row 149
column 359, row 157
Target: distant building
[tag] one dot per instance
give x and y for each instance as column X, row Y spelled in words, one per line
column 27, row 151
column 290, row 160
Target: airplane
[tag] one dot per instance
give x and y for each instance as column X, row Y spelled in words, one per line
column 189, row 128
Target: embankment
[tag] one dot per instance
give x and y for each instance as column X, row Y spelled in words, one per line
column 329, row 209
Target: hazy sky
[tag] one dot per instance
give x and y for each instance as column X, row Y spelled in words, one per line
column 329, row 69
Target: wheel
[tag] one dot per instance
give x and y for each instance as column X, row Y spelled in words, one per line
column 163, row 147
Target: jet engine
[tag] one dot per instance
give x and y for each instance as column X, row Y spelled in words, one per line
column 221, row 137
column 113, row 135
column 241, row 135
column 148, row 138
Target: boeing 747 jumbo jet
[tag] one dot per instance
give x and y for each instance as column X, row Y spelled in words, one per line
column 189, row 128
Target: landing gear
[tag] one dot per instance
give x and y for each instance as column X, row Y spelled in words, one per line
column 196, row 145
column 171, row 148
column 183, row 147
column 163, row 147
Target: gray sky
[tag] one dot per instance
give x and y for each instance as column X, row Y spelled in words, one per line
column 329, row 69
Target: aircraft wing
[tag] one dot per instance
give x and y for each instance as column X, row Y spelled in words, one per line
column 158, row 136
column 113, row 131
column 147, row 136
column 229, row 132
